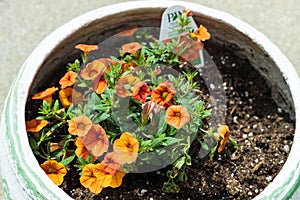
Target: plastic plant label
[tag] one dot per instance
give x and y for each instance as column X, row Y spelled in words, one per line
column 169, row 23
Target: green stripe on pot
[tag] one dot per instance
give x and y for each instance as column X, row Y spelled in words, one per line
column 15, row 144
column 20, row 162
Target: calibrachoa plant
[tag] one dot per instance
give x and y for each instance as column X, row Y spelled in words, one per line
column 129, row 113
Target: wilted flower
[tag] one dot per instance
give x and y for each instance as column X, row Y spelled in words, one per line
column 96, row 140
column 177, row 116
column 54, row 170
column 126, row 148
column 54, row 146
column 80, row 125
column 68, row 79
column 35, row 125
column 223, row 136
column 163, row 94
column 46, row 94
column 149, row 109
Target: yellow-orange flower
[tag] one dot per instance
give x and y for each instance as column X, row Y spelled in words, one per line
column 177, row 116
column 163, row 94
column 81, row 151
column 68, row 96
column 223, row 136
column 132, row 47
column 128, row 31
column 85, row 48
column 124, row 84
column 111, row 163
column 126, row 148
column 68, row 79
column 80, row 125
column 54, row 170
column 117, row 179
column 95, row 178
column 35, row 125
column 201, row 33
column 93, row 70
column 140, row 91
column 46, row 94
column 96, row 141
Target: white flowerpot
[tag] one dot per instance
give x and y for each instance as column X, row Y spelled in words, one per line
column 21, row 175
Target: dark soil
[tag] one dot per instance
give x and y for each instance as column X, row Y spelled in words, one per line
column 262, row 131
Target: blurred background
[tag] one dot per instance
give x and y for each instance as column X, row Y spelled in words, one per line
column 25, row 23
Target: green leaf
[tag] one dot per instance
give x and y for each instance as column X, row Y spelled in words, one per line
column 100, row 117
column 56, row 126
column 56, row 106
column 32, row 143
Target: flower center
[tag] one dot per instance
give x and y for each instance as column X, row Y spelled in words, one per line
column 81, row 126
column 178, row 114
column 130, row 147
column 51, row 170
column 164, row 95
column 93, row 73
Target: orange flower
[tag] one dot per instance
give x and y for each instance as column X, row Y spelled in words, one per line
column 187, row 12
column 93, row 70
column 68, row 96
column 128, row 32
column 132, row 47
column 85, row 48
column 35, row 125
column 140, row 91
column 81, row 151
column 111, row 163
column 99, row 85
column 223, row 136
column 54, row 170
column 46, row 94
column 80, row 125
column 126, row 148
column 95, row 178
column 177, row 116
column 96, row 140
column 124, row 83
column 201, row 33
column 68, row 79
column 163, row 94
